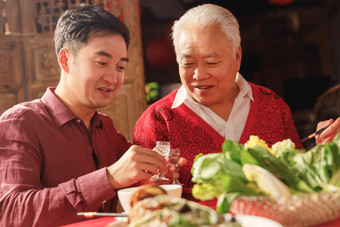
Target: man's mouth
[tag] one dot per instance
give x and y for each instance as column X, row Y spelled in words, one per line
column 203, row 87
column 105, row 90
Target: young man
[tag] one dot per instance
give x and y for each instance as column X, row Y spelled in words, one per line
column 58, row 155
column 215, row 102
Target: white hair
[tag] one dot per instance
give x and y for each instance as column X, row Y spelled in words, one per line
column 206, row 15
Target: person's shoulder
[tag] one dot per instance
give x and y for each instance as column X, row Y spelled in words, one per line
column 24, row 109
column 165, row 102
column 263, row 91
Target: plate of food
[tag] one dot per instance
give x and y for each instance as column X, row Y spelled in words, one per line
column 294, row 187
column 166, row 210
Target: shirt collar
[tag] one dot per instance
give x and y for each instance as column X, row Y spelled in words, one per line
column 245, row 90
column 59, row 111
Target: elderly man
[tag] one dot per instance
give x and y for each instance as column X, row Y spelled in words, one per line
column 214, row 102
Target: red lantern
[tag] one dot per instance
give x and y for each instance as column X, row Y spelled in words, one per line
column 159, row 52
column 281, row 2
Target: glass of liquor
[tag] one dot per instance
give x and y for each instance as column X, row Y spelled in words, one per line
column 163, row 148
column 173, row 157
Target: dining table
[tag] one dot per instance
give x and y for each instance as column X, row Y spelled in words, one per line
column 105, row 221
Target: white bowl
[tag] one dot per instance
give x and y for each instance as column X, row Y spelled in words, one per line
column 124, row 195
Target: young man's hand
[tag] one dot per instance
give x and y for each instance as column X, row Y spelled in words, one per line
column 137, row 164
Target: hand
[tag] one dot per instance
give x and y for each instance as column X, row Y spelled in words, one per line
column 137, row 164
column 171, row 168
column 329, row 133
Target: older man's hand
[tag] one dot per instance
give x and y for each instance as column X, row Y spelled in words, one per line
column 329, row 134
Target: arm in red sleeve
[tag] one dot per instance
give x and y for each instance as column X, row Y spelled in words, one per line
column 290, row 126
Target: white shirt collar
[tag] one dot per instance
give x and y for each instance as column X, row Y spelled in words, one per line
column 245, row 90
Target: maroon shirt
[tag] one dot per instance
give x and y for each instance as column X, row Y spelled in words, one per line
column 51, row 167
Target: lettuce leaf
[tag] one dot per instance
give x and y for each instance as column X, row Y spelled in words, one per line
column 220, row 175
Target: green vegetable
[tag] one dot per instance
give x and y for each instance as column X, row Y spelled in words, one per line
column 216, row 175
column 266, row 181
column 220, row 175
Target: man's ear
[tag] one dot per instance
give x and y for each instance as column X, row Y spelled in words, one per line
column 64, row 59
column 238, row 56
column 239, row 53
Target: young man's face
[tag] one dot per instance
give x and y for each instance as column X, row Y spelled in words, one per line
column 97, row 71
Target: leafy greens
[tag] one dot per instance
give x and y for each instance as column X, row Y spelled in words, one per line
column 220, row 175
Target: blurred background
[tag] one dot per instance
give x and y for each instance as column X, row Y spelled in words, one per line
column 289, row 46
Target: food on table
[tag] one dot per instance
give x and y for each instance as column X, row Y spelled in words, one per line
column 163, row 210
column 146, row 191
column 266, row 181
column 245, row 170
column 151, row 206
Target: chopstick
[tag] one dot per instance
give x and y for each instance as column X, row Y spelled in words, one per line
column 99, row 214
column 313, row 134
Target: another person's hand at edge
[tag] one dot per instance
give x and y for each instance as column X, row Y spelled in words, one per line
column 329, row 133
column 171, row 168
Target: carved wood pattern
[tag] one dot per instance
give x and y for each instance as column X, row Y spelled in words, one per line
column 11, row 80
column 4, row 66
column 9, row 14
column 7, row 101
column 3, row 17
column 48, row 11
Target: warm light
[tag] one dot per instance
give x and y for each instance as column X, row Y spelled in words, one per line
column 159, row 52
column 281, row 2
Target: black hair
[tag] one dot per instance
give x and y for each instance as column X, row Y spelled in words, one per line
column 77, row 24
column 328, row 104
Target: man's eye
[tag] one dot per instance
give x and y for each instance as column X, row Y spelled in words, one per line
column 121, row 68
column 187, row 64
column 101, row 63
column 212, row 63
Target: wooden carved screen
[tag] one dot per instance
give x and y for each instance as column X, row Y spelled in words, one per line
column 28, row 64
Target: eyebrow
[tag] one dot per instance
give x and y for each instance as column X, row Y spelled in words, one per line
column 212, row 55
column 207, row 56
column 106, row 54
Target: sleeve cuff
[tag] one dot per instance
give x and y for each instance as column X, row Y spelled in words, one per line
column 95, row 189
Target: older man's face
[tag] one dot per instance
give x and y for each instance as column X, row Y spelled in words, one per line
column 207, row 66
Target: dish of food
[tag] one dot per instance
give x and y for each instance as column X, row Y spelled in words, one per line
column 294, row 187
column 163, row 210
column 301, row 210
column 128, row 196
column 151, row 207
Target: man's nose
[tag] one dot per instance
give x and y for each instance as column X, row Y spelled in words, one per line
column 111, row 76
column 200, row 73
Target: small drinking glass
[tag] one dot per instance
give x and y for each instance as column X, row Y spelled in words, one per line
column 173, row 157
column 163, row 148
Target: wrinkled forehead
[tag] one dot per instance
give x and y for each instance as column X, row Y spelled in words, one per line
column 210, row 41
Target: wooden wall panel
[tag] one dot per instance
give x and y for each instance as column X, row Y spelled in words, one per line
column 41, row 65
column 12, row 88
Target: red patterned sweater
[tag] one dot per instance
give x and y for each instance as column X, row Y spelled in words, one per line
column 269, row 118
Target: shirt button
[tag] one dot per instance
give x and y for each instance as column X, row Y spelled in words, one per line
column 79, row 121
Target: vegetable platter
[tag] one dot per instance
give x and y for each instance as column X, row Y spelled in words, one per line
column 292, row 186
